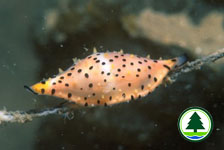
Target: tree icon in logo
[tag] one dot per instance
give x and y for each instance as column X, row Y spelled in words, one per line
column 195, row 122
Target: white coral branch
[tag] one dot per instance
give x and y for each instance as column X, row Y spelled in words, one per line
column 25, row 116
column 196, row 64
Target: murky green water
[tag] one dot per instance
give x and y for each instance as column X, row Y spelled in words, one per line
column 38, row 37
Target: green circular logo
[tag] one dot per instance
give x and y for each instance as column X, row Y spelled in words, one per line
column 195, row 124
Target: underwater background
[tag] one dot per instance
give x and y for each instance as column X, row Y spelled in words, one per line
column 38, row 37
